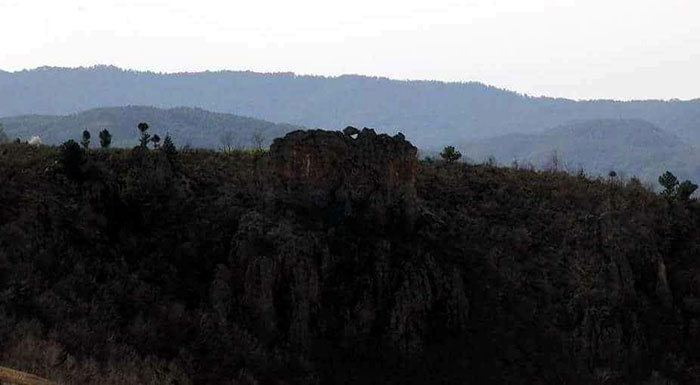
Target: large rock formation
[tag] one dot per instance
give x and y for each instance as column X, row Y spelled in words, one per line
column 341, row 172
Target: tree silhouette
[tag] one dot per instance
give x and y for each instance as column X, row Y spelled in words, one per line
column 258, row 140
column 685, row 190
column 156, row 140
column 228, row 140
column 71, row 158
column 105, row 138
column 145, row 136
column 669, row 182
column 449, row 154
column 85, row 141
column 674, row 190
column 3, row 136
column 169, row 147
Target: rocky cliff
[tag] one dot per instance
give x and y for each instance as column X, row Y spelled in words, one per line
column 348, row 171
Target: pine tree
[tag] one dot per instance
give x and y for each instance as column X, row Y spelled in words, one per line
column 105, row 138
column 168, row 146
column 145, row 136
column 669, row 182
column 85, row 141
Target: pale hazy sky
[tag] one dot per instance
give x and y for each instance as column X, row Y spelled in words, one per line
column 624, row 49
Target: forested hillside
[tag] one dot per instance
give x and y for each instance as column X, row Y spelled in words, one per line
column 189, row 126
column 432, row 113
column 338, row 258
column 629, row 147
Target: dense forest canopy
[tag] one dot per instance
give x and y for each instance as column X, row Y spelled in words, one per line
column 147, row 265
column 431, row 113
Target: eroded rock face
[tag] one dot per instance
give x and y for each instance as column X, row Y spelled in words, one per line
column 326, row 296
column 346, row 170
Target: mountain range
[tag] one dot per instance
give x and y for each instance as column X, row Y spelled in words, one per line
column 630, row 147
column 433, row 114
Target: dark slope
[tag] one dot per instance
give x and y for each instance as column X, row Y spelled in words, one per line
column 192, row 269
column 629, row 147
column 432, row 113
column 192, row 126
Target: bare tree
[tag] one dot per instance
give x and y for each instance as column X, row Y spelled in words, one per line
column 553, row 163
column 258, row 140
column 3, row 136
column 229, row 141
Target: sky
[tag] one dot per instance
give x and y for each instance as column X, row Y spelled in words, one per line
column 579, row 49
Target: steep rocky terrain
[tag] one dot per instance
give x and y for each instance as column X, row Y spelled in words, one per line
column 338, row 258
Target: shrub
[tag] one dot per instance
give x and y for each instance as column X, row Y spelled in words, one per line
column 449, row 154
column 685, row 190
column 169, row 147
column 156, row 141
column 72, row 158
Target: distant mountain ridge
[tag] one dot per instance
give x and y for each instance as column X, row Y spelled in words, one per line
column 431, row 113
column 628, row 146
column 191, row 126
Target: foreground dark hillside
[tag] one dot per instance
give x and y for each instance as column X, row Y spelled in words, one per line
column 209, row 268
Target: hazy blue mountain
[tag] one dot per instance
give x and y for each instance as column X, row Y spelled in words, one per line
column 431, row 114
column 193, row 126
column 627, row 146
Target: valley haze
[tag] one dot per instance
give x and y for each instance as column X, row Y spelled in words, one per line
column 432, row 114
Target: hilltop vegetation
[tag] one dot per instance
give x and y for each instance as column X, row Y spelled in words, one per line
column 144, row 267
column 191, row 126
column 629, row 147
column 431, row 113
column 641, row 139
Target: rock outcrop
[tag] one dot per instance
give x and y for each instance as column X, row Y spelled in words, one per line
column 343, row 171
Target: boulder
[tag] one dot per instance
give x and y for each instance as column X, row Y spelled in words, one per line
column 350, row 131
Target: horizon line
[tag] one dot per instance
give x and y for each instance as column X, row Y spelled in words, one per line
column 368, row 76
